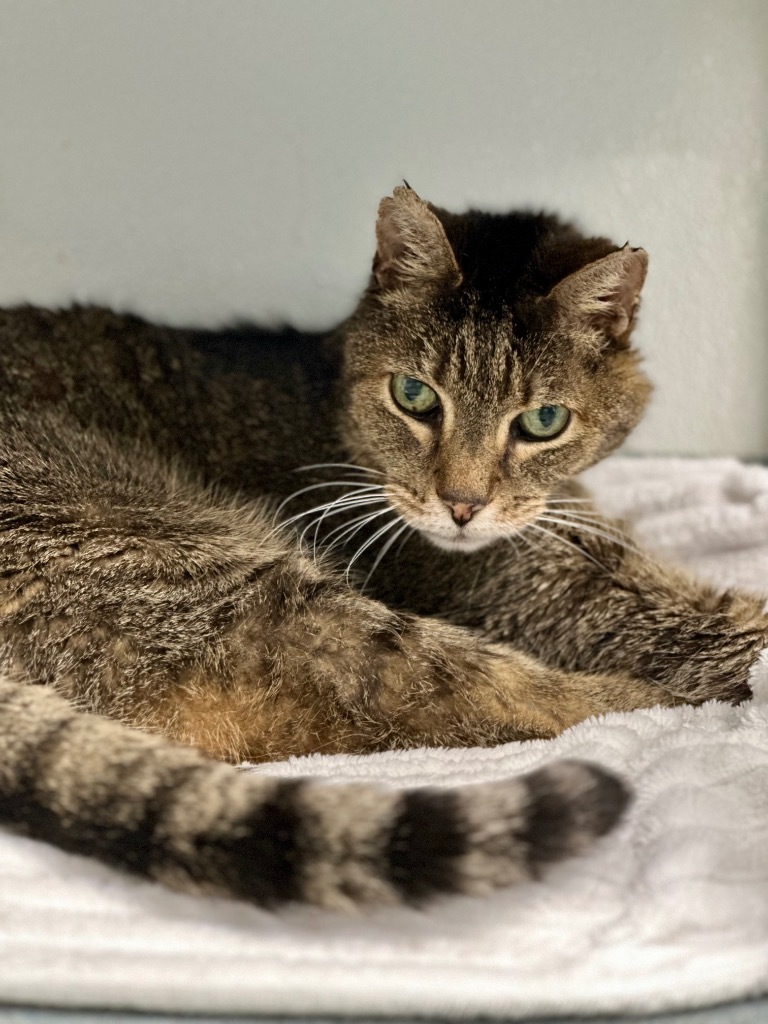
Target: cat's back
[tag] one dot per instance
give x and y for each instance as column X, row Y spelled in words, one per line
column 235, row 405
column 85, row 362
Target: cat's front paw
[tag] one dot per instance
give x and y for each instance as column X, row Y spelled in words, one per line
column 727, row 690
column 717, row 665
column 747, row 611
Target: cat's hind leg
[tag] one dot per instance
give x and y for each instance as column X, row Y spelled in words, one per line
column 138, row 594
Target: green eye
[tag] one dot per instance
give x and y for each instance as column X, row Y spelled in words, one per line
column 414, row 396
column 543, row 423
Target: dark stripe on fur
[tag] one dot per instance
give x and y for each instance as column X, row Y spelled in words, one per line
column 144, row 848
column 426, row 840
column 32, row 809
column 47, row 749
column 261, row 857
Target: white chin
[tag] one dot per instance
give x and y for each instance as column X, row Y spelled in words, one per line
column 460, row 542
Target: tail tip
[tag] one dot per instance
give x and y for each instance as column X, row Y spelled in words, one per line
column 571, row 803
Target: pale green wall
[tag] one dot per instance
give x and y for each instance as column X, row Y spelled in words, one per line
column 204, row 160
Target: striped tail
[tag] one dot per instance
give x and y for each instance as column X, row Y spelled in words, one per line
column 94, row 787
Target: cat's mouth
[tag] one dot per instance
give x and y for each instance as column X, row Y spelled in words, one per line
column 467, row 538
column 488, row 527
column 461, row 540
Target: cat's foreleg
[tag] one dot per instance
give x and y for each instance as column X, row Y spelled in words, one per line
column 586, row 598
column 308, row 666
column 336, row 672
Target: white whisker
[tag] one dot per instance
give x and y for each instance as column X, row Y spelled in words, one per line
column 350, row 501
column 390, row 541
column 361, row 491
column 338, row 465
column 582, row 513
column 591, row 520
column 339, row 505
column 577, row 514
column 528, row 540
column 556, row 536
column 330, row 483
column 371, row 540
column 353, row 500
column 320, row 508
column 333, row 509
column 586, row 528
column 346, row 530
column 404, row 541
column 353, row 528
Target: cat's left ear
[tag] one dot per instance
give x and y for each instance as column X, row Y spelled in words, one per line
column 600, row 300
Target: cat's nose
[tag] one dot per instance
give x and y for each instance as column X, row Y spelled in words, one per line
column 462, row 507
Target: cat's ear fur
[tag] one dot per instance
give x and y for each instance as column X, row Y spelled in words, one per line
column 599, row 302
column 412, row 250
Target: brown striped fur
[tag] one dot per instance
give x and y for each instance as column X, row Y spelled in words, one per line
column 147, row 581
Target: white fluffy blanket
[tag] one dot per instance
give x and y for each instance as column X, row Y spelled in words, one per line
column 669, row 911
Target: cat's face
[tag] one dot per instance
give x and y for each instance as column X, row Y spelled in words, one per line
column 473, row 412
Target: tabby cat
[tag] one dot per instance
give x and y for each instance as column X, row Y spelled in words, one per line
column 259, row 545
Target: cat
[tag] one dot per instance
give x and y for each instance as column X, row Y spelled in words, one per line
column 245, row 545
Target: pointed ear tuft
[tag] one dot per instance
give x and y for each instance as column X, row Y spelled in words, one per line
column 412, row 249
column 601, row 299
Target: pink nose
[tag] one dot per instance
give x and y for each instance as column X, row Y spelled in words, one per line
column 462, row 512
column 462, row 507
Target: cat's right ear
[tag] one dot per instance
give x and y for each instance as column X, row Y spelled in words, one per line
column 412, row 250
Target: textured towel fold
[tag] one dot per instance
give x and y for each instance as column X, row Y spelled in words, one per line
column 671, row 910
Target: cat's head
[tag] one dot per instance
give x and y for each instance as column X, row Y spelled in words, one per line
column 488, row 361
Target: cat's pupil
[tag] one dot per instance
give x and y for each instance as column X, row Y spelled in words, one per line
column 547, row 415
column 412, row 388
